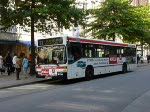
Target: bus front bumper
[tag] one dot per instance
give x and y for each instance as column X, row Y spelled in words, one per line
column 60, row 76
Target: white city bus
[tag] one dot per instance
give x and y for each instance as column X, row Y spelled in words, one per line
column 69, row 57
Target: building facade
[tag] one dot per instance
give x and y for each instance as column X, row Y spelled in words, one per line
column 140, row 2
column 17, row 41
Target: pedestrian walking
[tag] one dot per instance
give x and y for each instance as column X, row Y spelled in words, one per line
column 18, row 67
column 29, row 60
column 148, row 58
column 8, row 63
column 1, row 62
column 138, row 58
column 25, row 64
column 14, row 61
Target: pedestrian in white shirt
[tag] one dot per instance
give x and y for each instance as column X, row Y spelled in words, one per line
column 14, row 60
column 1, row 62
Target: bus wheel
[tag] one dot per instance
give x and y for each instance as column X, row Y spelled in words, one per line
column 124, row 68
column 89, row 73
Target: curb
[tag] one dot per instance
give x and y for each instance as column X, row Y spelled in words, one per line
column 21, row 84
column 143, row 65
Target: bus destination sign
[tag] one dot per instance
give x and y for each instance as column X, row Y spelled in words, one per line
column 50, row 41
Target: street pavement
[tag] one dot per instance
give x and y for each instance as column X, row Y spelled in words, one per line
column 10, row 81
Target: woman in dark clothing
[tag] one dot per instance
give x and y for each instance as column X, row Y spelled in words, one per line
column 148, row 58
column 9, row 63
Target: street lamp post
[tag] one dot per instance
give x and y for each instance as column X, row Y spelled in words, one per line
column 82, row 4
column 84, row 19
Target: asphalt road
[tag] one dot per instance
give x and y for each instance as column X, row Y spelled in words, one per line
column 128, row 92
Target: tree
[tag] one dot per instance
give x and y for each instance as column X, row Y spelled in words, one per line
column 39, row 15
column 118, row 18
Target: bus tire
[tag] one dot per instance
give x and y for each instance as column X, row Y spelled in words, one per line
column 89, row 73
column 124, row 68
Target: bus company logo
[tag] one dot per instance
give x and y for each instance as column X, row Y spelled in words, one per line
column 44, row 71
column 81, row 64
column 112, row 59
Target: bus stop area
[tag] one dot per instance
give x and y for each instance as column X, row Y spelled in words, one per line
column 7, row 81
column 10, row 81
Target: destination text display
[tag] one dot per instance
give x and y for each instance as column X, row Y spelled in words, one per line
column 50, row 41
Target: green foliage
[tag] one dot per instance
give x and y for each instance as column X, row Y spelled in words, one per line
column 4, row 2
column 48, row 14
column 40, row 15
column 118, row 18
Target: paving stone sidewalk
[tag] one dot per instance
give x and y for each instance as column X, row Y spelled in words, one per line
column 143, row 64
column 10, row 81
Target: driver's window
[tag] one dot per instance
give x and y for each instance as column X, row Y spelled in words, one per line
column 74, row 52
column 70, row 55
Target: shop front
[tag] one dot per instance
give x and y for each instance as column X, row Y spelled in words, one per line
column 8, row 43
column 16, row 43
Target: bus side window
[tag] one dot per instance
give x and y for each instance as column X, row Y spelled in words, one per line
column 119, row 51
column 83, row 53
column 76, row 55
column 84, row 50
column 106, row 53
column 76, row 51
column 103, row 55
column 99, row 51
column 112, row 50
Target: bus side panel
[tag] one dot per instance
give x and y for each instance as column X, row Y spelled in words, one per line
column 107, row 69
column 74, row 71
column 77, row 69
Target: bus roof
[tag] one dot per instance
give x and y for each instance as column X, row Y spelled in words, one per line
column 86, row 40
column 96, row 41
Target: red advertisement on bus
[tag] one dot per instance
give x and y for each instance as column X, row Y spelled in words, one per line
column 112, row 59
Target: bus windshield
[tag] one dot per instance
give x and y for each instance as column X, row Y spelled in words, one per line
column 52, row 55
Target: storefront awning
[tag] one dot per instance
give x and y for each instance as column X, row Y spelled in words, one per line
column 28, row 43
column 7, row 42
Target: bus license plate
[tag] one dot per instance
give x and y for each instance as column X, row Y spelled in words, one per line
column 48, row 77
